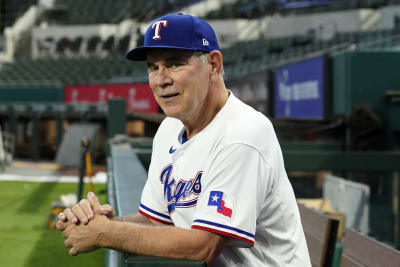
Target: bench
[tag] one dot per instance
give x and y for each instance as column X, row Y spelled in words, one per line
column 321, row 233
column 362, row 251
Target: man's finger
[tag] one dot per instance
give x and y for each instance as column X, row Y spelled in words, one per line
column 107, row 210
column 65, row 233
column 60, row 225
column 70, row 216
column 62, row 217
column 86, row 208
column 73, row 251
column 80, row 214
column 67, row 243
column 94, row 201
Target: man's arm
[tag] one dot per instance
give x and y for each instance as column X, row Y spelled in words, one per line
column 138, row 218
column 85, row 210
column 166, row 241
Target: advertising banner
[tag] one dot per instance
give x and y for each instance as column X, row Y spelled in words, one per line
column 139, row 97
column 300, row 90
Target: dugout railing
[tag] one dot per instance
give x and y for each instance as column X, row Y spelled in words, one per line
column 360, row 250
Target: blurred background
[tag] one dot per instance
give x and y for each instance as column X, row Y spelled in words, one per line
column 326, row 72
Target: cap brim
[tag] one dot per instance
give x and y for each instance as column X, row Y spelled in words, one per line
column 140, row 53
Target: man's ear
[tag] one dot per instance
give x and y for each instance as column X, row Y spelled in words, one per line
column 216, row 61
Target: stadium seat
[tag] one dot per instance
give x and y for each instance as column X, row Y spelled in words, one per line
column 108, row 44
column 76, row 44
column 92, row 44
column 123, row 44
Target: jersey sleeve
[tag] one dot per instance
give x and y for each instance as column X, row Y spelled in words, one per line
column 152, row 204
column 235, row 188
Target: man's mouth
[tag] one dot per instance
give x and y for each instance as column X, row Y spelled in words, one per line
column 169, row 96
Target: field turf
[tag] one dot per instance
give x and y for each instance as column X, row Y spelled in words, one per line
column 25, row 241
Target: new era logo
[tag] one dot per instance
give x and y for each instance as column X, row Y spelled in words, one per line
column 205, row 42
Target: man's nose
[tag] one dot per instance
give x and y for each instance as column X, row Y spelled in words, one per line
column 163, row 78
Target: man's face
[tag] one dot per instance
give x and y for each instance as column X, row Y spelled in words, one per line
column 180, row 82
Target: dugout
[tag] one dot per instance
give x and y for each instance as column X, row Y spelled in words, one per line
column 38, row 117
column 366, row 90
column 333, row 111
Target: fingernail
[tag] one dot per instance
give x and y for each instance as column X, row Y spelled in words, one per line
column 90, row 194
column 74, row 220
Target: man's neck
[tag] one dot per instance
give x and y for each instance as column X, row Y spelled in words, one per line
column 215, row 103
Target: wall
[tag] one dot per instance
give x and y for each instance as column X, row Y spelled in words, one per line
column 31, row 94
column 388, row 17
column 324, row 25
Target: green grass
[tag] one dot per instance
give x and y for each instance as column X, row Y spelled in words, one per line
column 25, row 240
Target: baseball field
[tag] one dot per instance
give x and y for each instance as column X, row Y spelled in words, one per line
column 25, row 240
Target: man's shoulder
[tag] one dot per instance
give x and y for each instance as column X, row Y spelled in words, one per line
column 247, row 126
column 169, row 124
column 248, row 123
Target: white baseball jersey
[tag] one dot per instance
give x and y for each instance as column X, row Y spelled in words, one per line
column 228, row 179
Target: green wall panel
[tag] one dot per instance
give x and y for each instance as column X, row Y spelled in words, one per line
column 340, row 82
column 31, row 94
column 364, row 76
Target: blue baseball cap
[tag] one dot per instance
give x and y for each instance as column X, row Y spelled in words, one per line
column 176, row 31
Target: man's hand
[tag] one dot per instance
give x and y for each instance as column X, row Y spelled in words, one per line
column 85, row 238
column 85, row 211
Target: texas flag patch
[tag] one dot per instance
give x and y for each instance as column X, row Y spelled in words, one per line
column 217, row 199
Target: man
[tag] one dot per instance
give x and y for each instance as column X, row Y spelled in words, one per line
column 217, row 189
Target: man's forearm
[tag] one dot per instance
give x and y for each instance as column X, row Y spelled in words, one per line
column 136, row 218
column 164, row 241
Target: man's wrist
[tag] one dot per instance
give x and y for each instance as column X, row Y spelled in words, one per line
column 106, row 234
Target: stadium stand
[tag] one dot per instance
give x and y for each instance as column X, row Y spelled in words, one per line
column 11, row 9
column 240, row 59
column 68, row 71
column 104, row 11
column 88, row 59
column 256, row 9
column 97, row 59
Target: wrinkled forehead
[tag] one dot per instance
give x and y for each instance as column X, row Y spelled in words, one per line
column 159, row 54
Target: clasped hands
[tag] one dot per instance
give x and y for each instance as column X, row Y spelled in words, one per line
column 83, row 224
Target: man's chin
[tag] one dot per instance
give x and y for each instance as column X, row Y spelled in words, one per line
column 171, row 113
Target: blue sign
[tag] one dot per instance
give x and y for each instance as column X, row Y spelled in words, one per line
column 299, row 90
column 306, row 3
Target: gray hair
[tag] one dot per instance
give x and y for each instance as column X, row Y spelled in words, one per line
column 203, row 58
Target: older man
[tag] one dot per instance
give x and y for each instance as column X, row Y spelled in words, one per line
column 217, row 189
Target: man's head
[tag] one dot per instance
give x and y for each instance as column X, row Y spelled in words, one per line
column 185, row 67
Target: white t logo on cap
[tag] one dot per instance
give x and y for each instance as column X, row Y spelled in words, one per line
column 157, row 27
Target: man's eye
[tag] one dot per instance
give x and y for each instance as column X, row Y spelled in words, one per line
column 176, row 65
column 151, row 68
